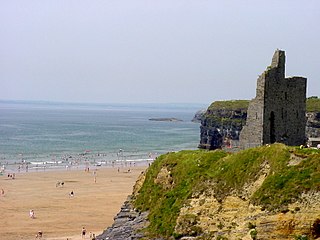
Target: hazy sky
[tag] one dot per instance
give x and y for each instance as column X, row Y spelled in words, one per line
column 153, row 50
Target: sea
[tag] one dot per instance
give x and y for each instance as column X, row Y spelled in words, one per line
column 48, row 135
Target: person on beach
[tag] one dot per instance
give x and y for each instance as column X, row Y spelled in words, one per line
column 2, row 192
column 71, row 194
column 83, row 232
column 39, row 235
column 31, row 214
column 95, row 176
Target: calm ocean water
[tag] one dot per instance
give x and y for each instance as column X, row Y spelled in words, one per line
column 39, row 132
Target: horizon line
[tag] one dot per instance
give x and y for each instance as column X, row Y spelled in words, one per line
column 96, row 103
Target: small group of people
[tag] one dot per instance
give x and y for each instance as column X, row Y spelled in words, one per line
column 309, row 146
column 11, row 175
column 60, row 184
column 84, row 232
column 127, row 171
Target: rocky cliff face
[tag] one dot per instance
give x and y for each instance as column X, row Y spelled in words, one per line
column 221, row 125
column 222, row 122
column 198, row 117
column 128, row 223
column 313, row 124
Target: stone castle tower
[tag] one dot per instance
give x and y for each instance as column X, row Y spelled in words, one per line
column 277, row 113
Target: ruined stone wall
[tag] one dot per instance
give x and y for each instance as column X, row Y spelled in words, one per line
column 297, row 110
column 277, row 113
column 251, row 134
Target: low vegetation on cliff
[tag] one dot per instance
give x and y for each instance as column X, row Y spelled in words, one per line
column 228, row 113
column 174, row 178
column 229, row 105
column 313, row 104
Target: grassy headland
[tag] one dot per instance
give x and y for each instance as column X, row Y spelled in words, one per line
column 175, row 177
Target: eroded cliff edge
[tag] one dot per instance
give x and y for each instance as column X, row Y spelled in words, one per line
column 269, row 192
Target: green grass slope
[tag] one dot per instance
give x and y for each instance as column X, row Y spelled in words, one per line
column 188, row 171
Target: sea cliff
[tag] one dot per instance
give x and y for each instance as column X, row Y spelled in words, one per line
column 269, row 192
column 222, row 122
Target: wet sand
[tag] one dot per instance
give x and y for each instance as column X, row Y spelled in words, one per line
column 58, row 215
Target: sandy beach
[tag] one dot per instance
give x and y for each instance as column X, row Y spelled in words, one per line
column 58, row 215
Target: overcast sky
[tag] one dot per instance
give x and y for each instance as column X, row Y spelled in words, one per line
column 132, row 51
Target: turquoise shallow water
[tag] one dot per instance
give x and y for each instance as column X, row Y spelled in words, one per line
column 38, row 132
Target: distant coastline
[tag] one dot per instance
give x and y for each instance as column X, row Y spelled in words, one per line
column 112, row 105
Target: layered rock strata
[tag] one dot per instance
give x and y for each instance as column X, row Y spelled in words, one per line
column 236, row 218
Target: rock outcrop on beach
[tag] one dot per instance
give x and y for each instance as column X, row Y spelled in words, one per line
column 269, row 192
column 127, row 224
column 222, row 123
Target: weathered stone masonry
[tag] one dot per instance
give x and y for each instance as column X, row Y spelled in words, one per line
column 277, row 113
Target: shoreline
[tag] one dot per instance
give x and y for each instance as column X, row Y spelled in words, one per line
column 98, row 196
column 27, row 162
column 29, row 167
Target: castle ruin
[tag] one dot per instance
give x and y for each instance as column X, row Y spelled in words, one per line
column 277, row 113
